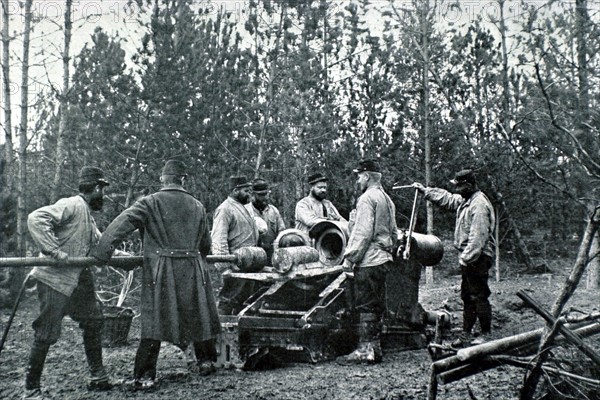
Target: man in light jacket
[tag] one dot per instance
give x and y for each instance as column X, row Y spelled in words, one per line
column 315, row 207
column 62, row 230
column 473, row 238
column 369, row 255
column 234, row 228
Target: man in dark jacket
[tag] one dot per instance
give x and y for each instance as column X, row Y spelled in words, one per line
column 62, row 230
column 473, row 238
column 177, row 303
column 369, row 255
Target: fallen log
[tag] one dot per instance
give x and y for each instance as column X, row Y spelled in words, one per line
column 489, row 361
column 566, row 332
column 503, row 345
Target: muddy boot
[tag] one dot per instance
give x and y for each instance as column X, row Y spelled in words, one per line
column 35, row 394
column 484, row 312
column 368, row 350
column 206, row 355
column 144, row 370
column 92, row 343
column 469, row 315
column 35, row 366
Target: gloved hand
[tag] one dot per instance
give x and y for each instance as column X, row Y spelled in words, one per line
column 418, row 186
column 61, row 257
column 348, row 266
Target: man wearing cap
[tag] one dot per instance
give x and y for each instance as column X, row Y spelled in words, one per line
column 62, row 230
column 233, row 228
column 315, row 208
column 177, row 301
column 473, row 238
column 262, row 211
column 369, row 255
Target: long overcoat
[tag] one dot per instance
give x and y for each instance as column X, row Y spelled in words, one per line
column 177, row 301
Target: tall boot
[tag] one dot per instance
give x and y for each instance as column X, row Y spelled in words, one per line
column 206, row 355
column 92, row 343
column 35, row 366
column 368, row 350
column 469, row 315
column 146, row 359
column 484, row 312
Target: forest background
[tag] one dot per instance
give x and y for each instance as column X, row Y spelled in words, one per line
column 281, row 89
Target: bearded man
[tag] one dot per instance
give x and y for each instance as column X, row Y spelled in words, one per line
column 474, row 240
column 234, row 228
column 369, row 255
column 62, row 230
column 315, row 207
column 262, row 210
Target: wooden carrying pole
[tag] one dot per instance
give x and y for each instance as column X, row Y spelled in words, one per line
column 120, row 262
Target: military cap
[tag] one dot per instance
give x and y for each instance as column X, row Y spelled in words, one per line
column 464, row 176
column 92, row 175
column 367, row 166
column 318, row 177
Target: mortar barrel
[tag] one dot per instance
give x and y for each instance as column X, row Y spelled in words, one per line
column 285, row 259
column 428, row 250
column 331, row 238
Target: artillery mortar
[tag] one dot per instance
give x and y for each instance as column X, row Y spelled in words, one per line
column 303, row 311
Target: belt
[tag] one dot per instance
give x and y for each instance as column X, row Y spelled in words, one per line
column 176, row 253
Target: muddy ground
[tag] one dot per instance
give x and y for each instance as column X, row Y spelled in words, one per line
column 402, row 375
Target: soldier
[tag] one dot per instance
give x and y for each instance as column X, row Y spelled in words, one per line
column 234, row 228
column 62, row 230
column 369, row 255
column 473, row 237
column 177, row 301
column 261, row 209
column 315, row 208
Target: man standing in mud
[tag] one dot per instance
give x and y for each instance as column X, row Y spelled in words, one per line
column 177, row 300
column 62, row 230
column 369, row 255
column 234, row 228
column 315, row 208
column 473, row 237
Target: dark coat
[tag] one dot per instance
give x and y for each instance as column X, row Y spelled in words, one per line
column 178, row 302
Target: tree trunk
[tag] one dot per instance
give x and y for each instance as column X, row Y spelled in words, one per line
column 497, row 243
column 64, row 103
column 22, row 182
column 512, row 226
column 426, row 127
column 589, row 139
column 270, row 95
column 18, row 275
column 593, row 277
column 8, row 147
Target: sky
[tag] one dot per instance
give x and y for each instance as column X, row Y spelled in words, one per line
column 122, row 18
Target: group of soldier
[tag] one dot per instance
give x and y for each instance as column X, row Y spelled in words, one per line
column 177, row 301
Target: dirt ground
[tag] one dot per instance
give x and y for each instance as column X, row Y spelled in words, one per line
column 402, row 375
